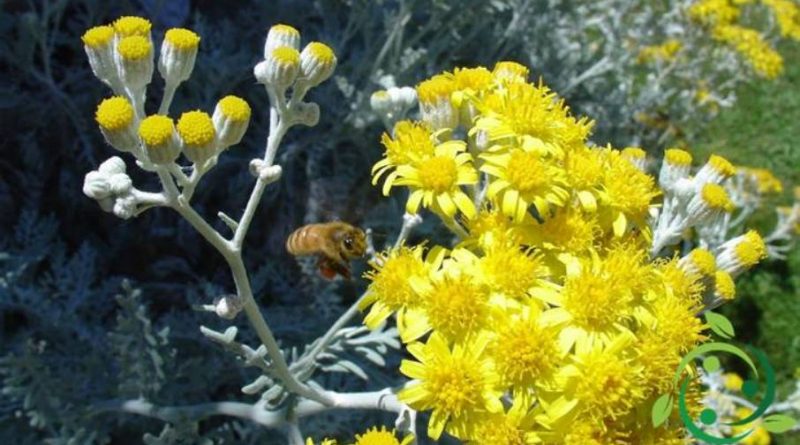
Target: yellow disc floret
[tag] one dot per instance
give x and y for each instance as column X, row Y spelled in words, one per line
column 114, row 113
column 676, row 156
column 196, row 128
column 633, row 153
column 704, row 261
column 321, row 52
column 438, row 173
column 437, row 89
column 722, row 165
column 134, row 47
column 98, row 36
column 751, row 249
column 286, row 56
column 156, row 130
column 280, row 28
column 132, row 26
column 235, row 108
column 716, row 197
column 182, row 39
column 724, row 285
column 375, row 436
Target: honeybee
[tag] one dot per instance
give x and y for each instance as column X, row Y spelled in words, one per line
column 335, row 244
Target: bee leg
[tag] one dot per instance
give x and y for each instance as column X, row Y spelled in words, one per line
column 328, row 268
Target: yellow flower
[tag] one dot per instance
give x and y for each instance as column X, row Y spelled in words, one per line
column 455, row 304
column 524, row 176
column 568, row 230
column 454, row 383
column 412, row 141
column 733, row 382
column 584, row 168
column 606, row 384
column 522, row 110
column 389, row 290
column 375, row 436
column 629, row 192
column 435, row 181
column 513, row 427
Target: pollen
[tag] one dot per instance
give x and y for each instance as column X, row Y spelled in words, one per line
column 751, row 249
column 196, row 128
column 724, row 285
column 114, row 113
column 98, row 36
column 135, row 47
column 321, row 52
column 676, row 156
column 438, row 174
column 437, row 89
column 716, row 197
column 182, row 38
column 235, row 108
column 132, row 26
column 704, row 261
column 722, row 165
column 156, row 130
column 286, row 56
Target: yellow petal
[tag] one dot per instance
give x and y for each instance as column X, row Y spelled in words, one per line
column 587, row 200
column 620, row 224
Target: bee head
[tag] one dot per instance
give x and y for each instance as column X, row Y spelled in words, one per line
column 354, row 243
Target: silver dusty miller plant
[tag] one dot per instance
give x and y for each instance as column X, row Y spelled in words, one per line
column 121, row 55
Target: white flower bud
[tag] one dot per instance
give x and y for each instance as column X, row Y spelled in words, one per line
column 271, row 173
column 281, row 35
column 112, row 165
column 120, row 183
column 228, row 306
column 134, row 59
column 178, row 54
column 95, row 185
column 98, row 42
column 317, row 62
column 307, row 114
column 125, row 206
column 231, row 118
column 279, row 69
column 716, row 170
column 676, row 166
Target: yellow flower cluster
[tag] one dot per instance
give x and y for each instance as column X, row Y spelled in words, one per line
column 372, row 436
column 548, row 322
column 721, row 17
column 663, row 52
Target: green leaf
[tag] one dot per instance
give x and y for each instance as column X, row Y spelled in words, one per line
column 720, row 325
column 778, row 423
column 661, row 410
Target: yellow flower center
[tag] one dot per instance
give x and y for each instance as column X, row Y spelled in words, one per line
column 526, row 172
column 607, row 385
column 156, row 130
column 722, row 165
column 321, row 52
column 134, row 48
column 628, row 188
column 716, row 197
column 182, row 39
column 704, row 261
column 235, row 108
column 438, row 174
column 455, row 384
column 570, row 230
column 474, row 79
column 286, row 56
column 497, row 430
column 751, row 249
column 437, row 89
column 287, row 30
column 584, row 168
column 508, row 70
column 724, row 285
column 676, row 156
column 456, row 306
column 114, row 113
column 132, row 26
column 525, row 353
column 595, row 300
column 391, row 282
column 375, row 436
column 511, row 271
column 633, row 153
column 196, row 128
column 98, row 36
